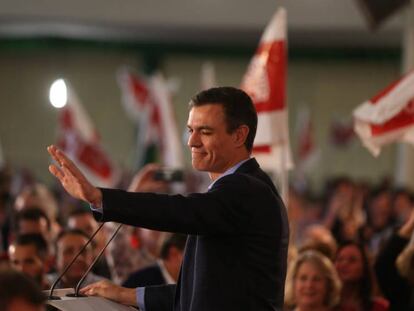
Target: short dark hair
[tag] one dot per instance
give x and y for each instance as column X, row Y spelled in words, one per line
column 32, row 213
column 15, row 285
column 175, row 240
column 79, row 210
column 34, row 239
column 237, row 105
column 71, row 231
column 65, row 232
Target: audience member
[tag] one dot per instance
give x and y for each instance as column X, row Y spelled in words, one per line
column 29, row 254
column 397, row 288
column 344, row 209
column 312, row 283
column 167, row 268
column 33, row 220
column 40, row 196
column 135, row 248
column 380, row 219
column 318, row 237
column 82, row 219
column 355, row 272
column 68, row 244
column 402, row 204
column 19, row 293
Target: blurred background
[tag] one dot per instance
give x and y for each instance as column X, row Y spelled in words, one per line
column 337, row 59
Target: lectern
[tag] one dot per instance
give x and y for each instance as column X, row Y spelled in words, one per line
column 67, row 303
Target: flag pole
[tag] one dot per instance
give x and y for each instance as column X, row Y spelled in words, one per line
column 284, row 176
column 405, row 154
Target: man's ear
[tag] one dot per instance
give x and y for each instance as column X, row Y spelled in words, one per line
column 240, row 135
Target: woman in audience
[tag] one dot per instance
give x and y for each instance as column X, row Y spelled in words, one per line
column 394, row 266
column 312, row 283
column 355, row 273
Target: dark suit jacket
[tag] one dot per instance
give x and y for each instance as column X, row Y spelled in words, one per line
column 148, row 276
column 235, row 256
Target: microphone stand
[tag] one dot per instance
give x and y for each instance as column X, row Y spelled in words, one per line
column 52, row 288
column 93, row 264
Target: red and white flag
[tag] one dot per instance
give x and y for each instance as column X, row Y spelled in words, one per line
column 265, row 82
column 387, row 117
column 148, row 102
column 78, row 138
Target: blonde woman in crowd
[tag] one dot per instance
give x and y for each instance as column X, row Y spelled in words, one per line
column 312, row 283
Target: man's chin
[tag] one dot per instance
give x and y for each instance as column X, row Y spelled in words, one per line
column 199, row 166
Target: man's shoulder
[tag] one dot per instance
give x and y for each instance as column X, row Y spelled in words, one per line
column 244, row 182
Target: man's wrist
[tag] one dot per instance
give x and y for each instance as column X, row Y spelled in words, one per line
column 128, row 297
column 96, row 198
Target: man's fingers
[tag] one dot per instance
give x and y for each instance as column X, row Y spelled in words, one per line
column 60, row 157
column 90, row 290
column 56, row 172
column 52, row 151
column 65, row 163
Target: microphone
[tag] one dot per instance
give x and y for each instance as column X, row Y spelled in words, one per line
column 77, row 288
column 52, row 288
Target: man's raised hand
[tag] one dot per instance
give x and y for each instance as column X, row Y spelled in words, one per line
column 72, row 179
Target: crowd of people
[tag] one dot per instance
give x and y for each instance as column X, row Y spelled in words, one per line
column 351, row 245
column 41, row 232
column 350, row 248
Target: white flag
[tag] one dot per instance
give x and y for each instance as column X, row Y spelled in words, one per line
column 387, row 117
column 79, row 140
column 148, row 101
column 265, row 82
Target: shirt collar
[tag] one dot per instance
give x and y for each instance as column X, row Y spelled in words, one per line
column 231, row 170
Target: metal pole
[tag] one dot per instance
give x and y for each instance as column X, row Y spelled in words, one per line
column 404, row 173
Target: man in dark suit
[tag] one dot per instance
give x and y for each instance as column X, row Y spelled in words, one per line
column 235, row 257
column 167, row 267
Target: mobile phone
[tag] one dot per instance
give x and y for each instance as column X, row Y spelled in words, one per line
column 169, row 175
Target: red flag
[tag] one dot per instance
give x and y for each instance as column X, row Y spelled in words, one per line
column 265, row 82
column 387, row 117
column 148, row 102
column 79, row 140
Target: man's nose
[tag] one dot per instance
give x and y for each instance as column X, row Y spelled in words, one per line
column 193, row 140
column 19, row 267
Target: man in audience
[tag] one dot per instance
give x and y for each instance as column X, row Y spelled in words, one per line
column 167, row 268
column 19, row 293
column 380, row 219
column 82, row 219
column 33, row 220
column 40, row 196
column 402, row 204
column 68, row 244
column 28, row 254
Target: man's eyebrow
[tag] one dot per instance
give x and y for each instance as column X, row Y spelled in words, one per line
column 199, row 128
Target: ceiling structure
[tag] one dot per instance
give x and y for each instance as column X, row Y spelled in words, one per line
column 311, row 23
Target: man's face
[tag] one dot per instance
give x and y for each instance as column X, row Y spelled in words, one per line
column 84, row 222
column 213, row 149
column 68, row 246
column 19, row 304
column 25, row 258
column 40, row 226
